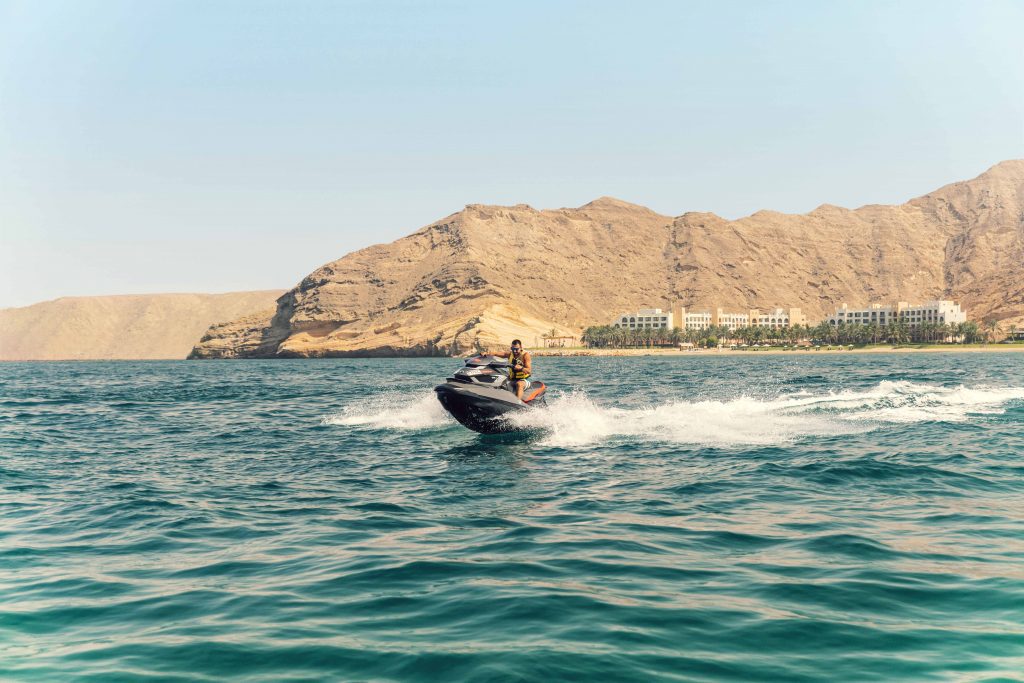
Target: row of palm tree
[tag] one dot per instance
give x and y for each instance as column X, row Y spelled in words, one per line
column 898, row 332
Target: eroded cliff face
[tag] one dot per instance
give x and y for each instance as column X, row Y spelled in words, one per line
column 814, row 261
column 475, row 279
column 984, row 254
column 487, row 274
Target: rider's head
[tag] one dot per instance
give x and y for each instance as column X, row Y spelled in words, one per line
column 517, row 345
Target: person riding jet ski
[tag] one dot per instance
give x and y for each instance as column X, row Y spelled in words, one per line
column 482, row 395
column 520, row 366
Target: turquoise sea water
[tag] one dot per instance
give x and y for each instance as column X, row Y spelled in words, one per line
column 789, row 518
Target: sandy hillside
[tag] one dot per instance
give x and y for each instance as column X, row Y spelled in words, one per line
column 120, row 327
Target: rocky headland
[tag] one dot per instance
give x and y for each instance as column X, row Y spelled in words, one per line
column 489, row 273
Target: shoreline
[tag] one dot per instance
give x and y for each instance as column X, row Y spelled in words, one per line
column 640, row 353
column 772, row 351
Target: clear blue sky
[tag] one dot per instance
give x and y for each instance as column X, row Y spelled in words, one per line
column 217, row 146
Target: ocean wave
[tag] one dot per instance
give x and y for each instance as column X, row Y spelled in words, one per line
column 575, row 419
column 393, row 410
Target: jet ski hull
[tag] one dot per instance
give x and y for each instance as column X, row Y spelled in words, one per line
column 483, row 409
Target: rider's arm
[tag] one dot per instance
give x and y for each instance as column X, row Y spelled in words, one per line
column 527, row 362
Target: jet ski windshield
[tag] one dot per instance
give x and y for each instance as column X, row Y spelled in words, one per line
column 483, row 370
column 487, row 361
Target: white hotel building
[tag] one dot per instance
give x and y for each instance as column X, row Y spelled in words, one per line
column 937, row 312
column 645, row 318
column 698, row 320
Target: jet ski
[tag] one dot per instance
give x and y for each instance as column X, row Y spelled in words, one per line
column 480, row 395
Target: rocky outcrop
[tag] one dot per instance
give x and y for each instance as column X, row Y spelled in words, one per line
column 251, row 335
column 489, row 273
column 145, row 326
column 474, row 279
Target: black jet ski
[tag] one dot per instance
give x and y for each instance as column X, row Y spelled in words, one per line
column 480, row 395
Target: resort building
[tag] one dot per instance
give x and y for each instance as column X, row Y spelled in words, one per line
column 936, row 312
column 731, row 321
column 775, row 319
column 778, row 318
column 697, row 320
column 703, row 319
column 645, row 318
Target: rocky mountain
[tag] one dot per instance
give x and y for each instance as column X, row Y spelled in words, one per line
column 488, row 273
column 146, row 326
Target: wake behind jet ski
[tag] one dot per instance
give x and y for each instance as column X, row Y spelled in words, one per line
column 481, row 397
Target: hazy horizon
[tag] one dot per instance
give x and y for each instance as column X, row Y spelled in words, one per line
column 181, row 147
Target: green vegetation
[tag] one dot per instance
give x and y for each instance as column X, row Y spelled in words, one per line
column 899, row 332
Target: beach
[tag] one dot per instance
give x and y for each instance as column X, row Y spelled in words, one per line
column 791, row 351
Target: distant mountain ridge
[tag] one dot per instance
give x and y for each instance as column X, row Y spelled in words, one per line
column 487, row 273
column 123, row 327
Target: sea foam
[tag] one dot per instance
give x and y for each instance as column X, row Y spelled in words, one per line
column 575, row 419
column 393, row 410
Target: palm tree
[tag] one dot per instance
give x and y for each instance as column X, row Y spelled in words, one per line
column 899, row 331
column 834, row 333
column 926, row 331
column 675, row 336
column 875, row 330
column 843, row 332
column 991, row 327
column 820, row 331
column 589, row 337
column 599, row 336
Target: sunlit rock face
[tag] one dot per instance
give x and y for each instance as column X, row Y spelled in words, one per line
column 487, row 274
